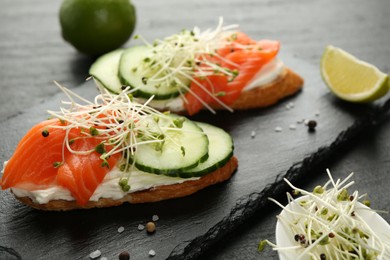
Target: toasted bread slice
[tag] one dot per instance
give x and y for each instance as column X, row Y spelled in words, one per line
column 287, row 84
column 150, row 195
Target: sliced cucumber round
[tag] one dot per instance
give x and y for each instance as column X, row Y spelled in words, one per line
column 220, row 151
column 137, row 69
column 183, row 148
column 105, row 70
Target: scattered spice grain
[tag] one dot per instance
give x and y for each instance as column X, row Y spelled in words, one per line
column 150, row 227
column 124, row 255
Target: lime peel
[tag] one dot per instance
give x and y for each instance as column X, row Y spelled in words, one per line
column 352, row 79
column 95, row 27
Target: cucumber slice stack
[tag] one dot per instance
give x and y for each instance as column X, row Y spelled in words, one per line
column 220, row 151
column 134, row 67
column 193, row 150
column 182, row 149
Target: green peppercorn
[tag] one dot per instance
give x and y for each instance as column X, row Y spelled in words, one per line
column 126, row 188
column 124, row 184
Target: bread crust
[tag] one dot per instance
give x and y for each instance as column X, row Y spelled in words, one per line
column 155, row 194
column 287, row 84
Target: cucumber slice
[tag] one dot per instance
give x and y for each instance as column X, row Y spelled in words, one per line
column 220, row 151
column 105, row 71
column 183, row 149
column 137, row 69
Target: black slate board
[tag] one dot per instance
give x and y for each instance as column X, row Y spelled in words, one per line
column 47, row 235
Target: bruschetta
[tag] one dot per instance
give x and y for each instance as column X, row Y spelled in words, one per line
column 193, row 70
column 115, row 150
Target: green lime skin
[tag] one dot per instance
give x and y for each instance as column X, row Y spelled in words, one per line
column 95, row 27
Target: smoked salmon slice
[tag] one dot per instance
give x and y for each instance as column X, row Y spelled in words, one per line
column 241, row 55
column 41, row 160
column 82, row 174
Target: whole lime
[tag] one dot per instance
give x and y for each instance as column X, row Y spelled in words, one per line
column 95, row 27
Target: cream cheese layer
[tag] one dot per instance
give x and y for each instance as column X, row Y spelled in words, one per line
column 109, row 188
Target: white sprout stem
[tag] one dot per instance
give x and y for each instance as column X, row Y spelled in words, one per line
column 116, row 121
column 309, row 194
column 70, row 93
column 211, row 95
column 176, row 58
column 349, row 234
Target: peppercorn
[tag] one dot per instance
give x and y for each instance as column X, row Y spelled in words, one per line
column 150, row 227
column 45, row 133
column 124, row 255
column 331, row 235
column 296, row 237
column 312, row 125
column 322, row 256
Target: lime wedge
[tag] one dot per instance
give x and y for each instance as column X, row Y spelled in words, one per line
column 350, row 78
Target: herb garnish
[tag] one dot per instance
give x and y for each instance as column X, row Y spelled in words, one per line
column 119, row 123
column 327, row 225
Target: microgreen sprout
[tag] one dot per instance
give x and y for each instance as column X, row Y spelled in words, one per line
column 328, row 225
column 190, row 56
column 120, row 125
column 57, row 164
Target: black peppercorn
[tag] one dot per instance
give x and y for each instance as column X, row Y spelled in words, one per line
column 322, row 256
column 312, row 125
column 45, row 133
